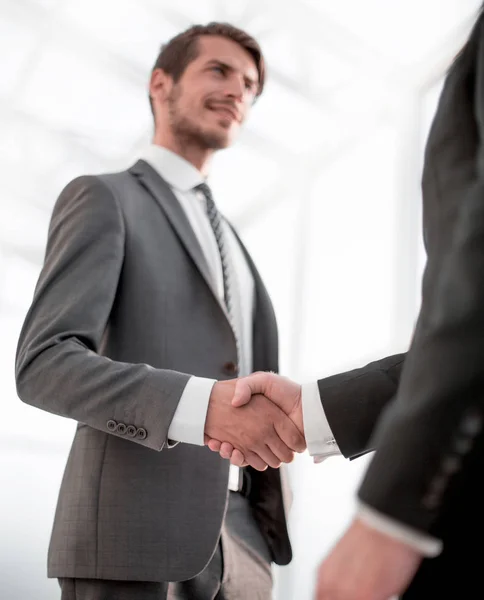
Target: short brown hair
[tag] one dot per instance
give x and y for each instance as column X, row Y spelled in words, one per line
column 180, row 51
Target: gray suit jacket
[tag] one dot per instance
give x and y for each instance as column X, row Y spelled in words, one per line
column 123, row 313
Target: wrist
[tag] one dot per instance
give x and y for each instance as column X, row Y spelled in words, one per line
column 220, row 399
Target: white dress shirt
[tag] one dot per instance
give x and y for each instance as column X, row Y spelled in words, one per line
column 319, row 437
column 321, row 444
column 188, row 423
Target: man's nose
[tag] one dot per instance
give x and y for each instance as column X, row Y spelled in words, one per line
column 235, row 88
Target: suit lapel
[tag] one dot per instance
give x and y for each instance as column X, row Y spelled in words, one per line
column 265, row 337
column 170, row 205
column 265, row 342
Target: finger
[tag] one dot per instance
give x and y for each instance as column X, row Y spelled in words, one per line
column 280, row 449
column 242, row 393
column 226, row 450
column 214, row 445
column 290, row 434
column 255, row 461
column 238, row 459
column 246, row 387
column 266, row 454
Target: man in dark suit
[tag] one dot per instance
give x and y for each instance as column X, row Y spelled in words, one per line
column 420, row 515
column 426, row 472
column 147, row 307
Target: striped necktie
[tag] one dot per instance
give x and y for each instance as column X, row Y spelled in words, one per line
column 229, row 280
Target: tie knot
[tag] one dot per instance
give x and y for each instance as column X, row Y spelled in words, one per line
column 204, row 188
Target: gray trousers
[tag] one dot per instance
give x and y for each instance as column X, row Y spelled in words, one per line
column 239, row 570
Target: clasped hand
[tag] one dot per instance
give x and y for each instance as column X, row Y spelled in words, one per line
column 256, row 420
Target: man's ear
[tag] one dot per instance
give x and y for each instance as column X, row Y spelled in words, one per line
column 160, row 86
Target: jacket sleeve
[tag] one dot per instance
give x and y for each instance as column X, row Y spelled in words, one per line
column 353, row 402
column 58, row 365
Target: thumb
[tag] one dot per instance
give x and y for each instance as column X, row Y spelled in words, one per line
column 246, row 387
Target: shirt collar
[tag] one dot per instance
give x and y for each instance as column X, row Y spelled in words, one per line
column 174, row 169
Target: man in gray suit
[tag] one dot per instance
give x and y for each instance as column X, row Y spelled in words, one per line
column 146, row 309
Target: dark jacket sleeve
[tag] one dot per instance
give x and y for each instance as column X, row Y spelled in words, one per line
column 353, row 402
column 430, row 433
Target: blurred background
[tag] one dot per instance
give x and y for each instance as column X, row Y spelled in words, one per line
column 324, row 187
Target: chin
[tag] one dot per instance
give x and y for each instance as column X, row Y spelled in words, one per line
column 217, row 140
column 225, row 142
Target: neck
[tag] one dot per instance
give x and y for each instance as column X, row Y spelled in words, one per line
column 199, row 157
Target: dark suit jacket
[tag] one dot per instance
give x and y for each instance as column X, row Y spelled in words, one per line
column 123, row 313
column 427, row 469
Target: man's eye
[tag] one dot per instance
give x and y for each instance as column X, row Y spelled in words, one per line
column 218, row 69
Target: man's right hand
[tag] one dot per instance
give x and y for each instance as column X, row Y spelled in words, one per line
column 259, row 430
column 282, row 391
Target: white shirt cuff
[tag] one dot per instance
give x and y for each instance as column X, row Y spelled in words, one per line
column 188, row 424
column 319, row 437
column 421, row 542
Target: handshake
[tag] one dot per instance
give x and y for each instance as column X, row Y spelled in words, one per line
column 256, row 420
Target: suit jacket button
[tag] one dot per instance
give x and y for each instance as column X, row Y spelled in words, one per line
column 111, row 425
column 471, row 424
column 230, row 368
column 431, row 501
column 131, row 431
column 451, row 465
column 141, row 434
column 121, row 428
column 463, row 445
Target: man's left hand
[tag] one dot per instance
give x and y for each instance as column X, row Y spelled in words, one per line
column 366, row 565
